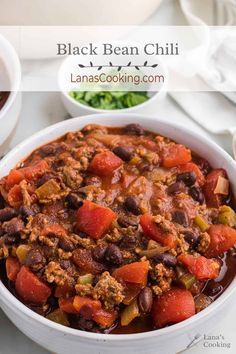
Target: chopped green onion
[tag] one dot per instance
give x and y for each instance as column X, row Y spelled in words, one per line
column 110, row 100
column 201, row 223
column 201, row 302
column 129, row 313
column 187, row 280
column 22, row 252
column 48, row 189
column 85, row 279
column 227, row 216
column 58, row 316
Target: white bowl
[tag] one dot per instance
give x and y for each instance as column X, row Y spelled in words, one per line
column 77, row 109
column 10, row 112
column 63, row 340
column 76, row 12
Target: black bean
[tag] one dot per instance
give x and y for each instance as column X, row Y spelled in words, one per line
column 131, row 205
column 26, row 211
column 47, row 150
column 66, row 245
column 145, row 167
column 134, row 129
column 175, row 188
column 128, row 242
column 85, row 325
column 197, row 194
column 123, row 152
column 74, row 200
column 180, row 217
column 40, row 310
column 11, row 239
column 191, row 238
column 204, row 166
column 98, row 253
column 2, row 202
column 45, row 178
column 66, row 264
column 125, row 221
column 145, row 300
column 52, row 302
column 7, row 214
column 113, row 255
column 189, row 178
column 214, row 289
column 1, row 231
column 86, row 312
column 78, row 232
column 13, row 226
column 34, row 259
column 167, row 259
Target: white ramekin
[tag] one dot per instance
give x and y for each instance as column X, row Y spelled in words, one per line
column 63, row 340
column 10, row 112
column 77, row 109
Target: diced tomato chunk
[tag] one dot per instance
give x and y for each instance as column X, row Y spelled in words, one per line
column 213, row 200
column 15, row 177
column 222, row 237
column 201, row 267
column 175, row 155
column 66, row 305
column 153, row 231
column 174, row 306
column 192, row 167
column 35, row 171
column 89, row 308
column 12, row 268
column 104, row 163
column 134, row 273
column 94, row 219
column 14, row 196
column 64, row 291
column 81, row 301
column 30, row 288
column 105, row 318
column 56, row 230
column 84, row 260
column 29, row 173
column 127, row 179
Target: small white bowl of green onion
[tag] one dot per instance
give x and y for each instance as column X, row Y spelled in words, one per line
column 78, row 103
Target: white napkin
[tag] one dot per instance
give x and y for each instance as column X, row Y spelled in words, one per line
column 213, row 110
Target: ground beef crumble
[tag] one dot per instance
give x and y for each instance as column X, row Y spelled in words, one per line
column 108, row 290
column 54, row 273
column 163, row 277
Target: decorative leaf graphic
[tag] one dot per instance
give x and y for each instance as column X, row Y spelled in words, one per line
column 145, row 63
column 129, row 63
column 81, row 66
column 154, row 65
column 137, row 68
column 119, row 68
column 100, row 67
column 91, row 64
column 110, row 63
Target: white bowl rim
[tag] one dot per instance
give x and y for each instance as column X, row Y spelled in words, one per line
column 122, row 110
column 16, row 84
column 99, row 337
